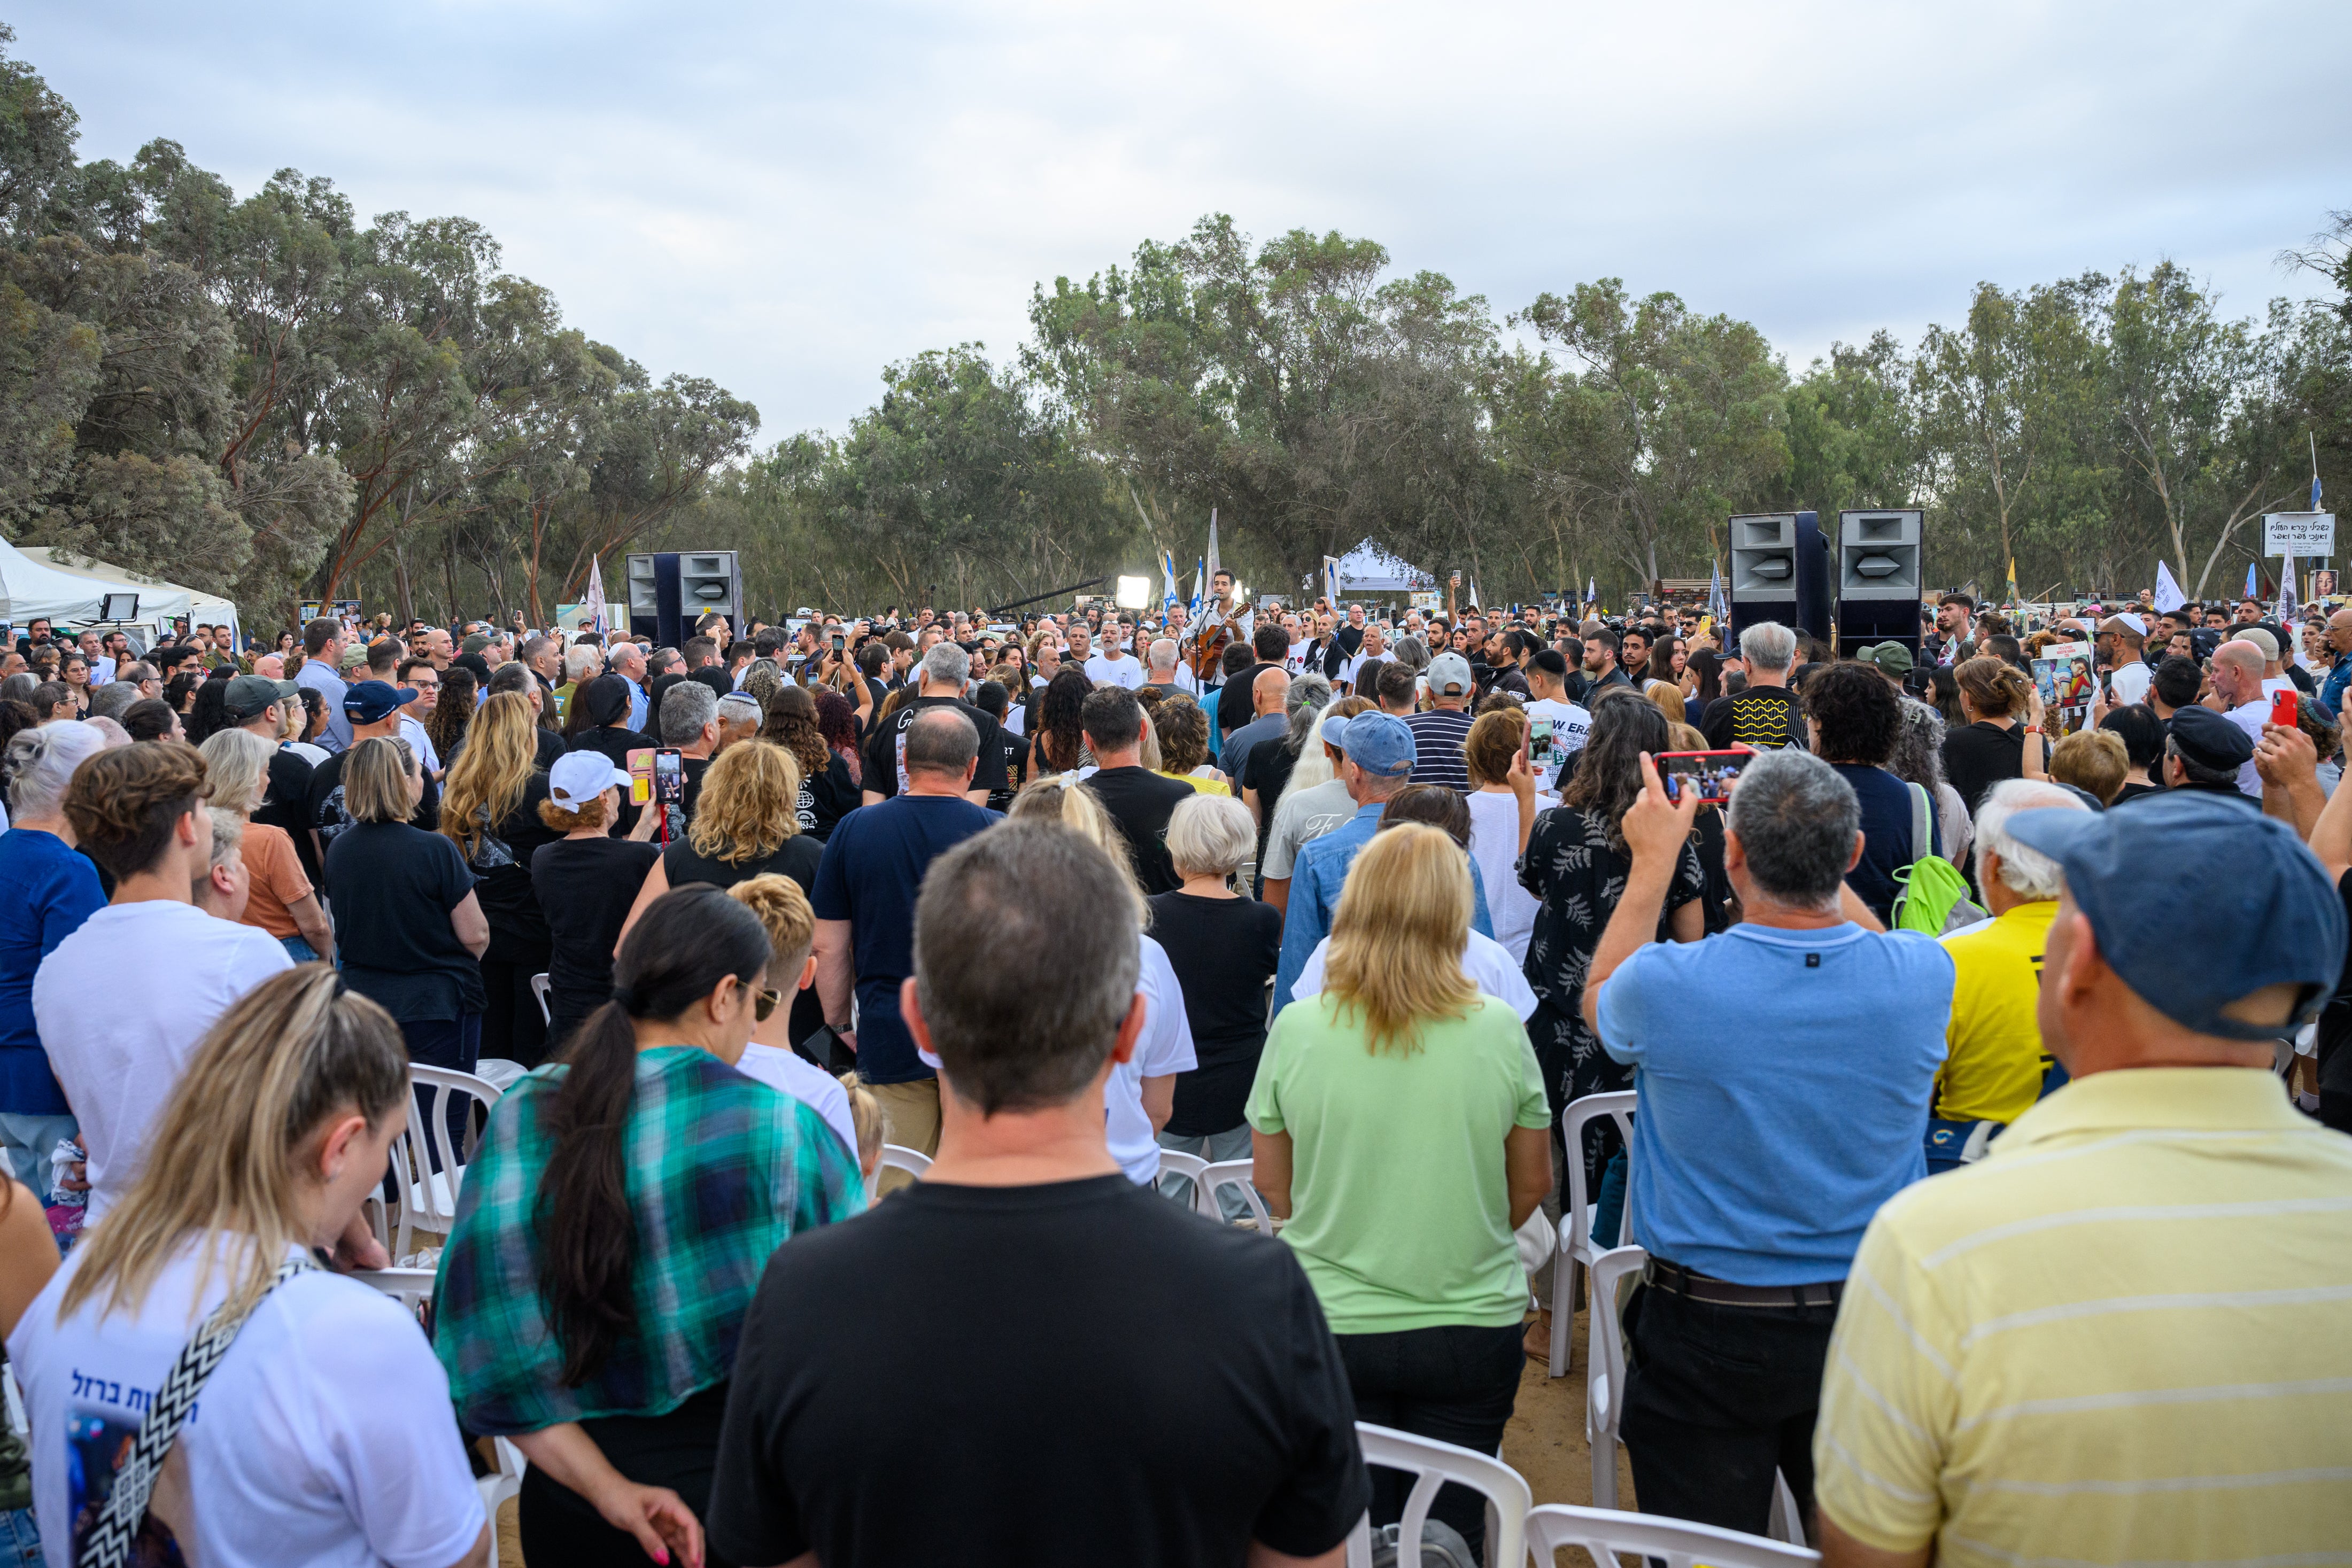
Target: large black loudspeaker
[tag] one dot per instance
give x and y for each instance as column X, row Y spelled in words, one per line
column 1879, row 564
column 669, row 592
column 1779, row 572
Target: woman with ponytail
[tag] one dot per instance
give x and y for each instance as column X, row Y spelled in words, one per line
column 613, row 1229
column 325, row 1436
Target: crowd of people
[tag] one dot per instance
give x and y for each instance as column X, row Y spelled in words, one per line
column 1989, row 1154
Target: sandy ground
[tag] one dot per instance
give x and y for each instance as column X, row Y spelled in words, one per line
column 1545, row 1443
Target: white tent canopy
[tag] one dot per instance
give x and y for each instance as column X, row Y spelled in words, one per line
column 159, row 602
column 1368, row 569
column 32, row 588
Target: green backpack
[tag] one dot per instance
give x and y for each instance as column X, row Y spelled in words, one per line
column 1935, row 895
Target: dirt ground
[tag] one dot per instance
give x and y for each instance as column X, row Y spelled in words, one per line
column 1545, row 1443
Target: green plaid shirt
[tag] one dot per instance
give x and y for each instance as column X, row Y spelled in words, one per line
column 722, row 1171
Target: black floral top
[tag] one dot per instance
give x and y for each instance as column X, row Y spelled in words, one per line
column 1578, row 879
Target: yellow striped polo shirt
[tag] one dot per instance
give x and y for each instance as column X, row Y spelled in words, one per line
column 2122, row 1336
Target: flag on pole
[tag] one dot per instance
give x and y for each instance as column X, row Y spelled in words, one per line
column 594, row 602
column 2315, row 469
column 1716, row 608
column 2168, row 596
column 1475, row 601
column 2286, row 600
column 1592, row 591
column 1199, row 585
column 1215, row 566
column 1331, row 579
column 2012, row 579
column 1168, row 574
column 2254, row 589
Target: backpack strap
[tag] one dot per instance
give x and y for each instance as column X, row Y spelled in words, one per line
column 118, row 1524
column 1923, row 842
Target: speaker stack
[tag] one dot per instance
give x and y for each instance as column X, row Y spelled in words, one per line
column 670, row 591
column 1779, row 572
column 1879, row 564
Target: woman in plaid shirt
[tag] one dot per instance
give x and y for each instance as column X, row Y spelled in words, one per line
column 611, row 1234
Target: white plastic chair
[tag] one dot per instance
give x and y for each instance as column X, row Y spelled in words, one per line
column 897, row 1158
column 1234, row 1174
column 14, row 1398
column 429, row 1195
column 1576, row 1248
column 1604, row 1396
column 1604, row 1364
column 504, row 1482
column 1183, row 1168
column 1603, row 1533
column 500, row 1074
column 1432, row 1465
column 539, row 990
column 412, row 1288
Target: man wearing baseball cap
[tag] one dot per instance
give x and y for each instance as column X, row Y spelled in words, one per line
column 2118, row 1337
column 258, row 703
column 1438, row 736
column 1376, row 761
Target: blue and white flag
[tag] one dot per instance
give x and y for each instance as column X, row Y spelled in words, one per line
column 2254, row 589
column 1168, row 577
column 1716, row 608
column 2288, row 606
column 1200, row 584
column 2168, row 596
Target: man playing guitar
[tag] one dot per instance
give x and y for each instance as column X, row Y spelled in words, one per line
column 1222, row 621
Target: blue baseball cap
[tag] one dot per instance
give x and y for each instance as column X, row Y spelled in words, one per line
column 2196, row 903
column 1375, row 742
column 371, row 702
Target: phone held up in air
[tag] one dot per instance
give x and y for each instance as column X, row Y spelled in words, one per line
column 669, row 777
column 2286, row 705
column 1710, row 773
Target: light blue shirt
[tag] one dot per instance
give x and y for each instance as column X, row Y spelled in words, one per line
column 2331, row 690
column 1315, row 879
column 1785, row 1078
column 639, row 703
column 315, row 674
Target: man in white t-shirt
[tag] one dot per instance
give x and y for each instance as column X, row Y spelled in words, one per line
column 2236, row 675
column 1547, row 673
column 1114, row 666
column 2120, row 643
column 121, row 1003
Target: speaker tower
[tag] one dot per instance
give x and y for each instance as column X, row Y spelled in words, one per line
column 1779, row 572
column 1879, row 575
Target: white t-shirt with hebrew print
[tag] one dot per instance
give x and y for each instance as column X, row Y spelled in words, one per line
column 325, row 1438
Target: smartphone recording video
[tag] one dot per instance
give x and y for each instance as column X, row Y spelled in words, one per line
column 2285, row 707
column 1710, row 773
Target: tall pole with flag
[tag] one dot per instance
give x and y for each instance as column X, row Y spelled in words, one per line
column 2012, row 579
column 1215, row 566
column 1717, row 609
column 2288, row 606
column 1168, row 578
column 593, row 603
column 2253, row 588
column 2315, row 469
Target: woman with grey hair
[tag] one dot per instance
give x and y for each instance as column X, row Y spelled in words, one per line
column 1918, row 759
column 50, row 891
column 1224, row 947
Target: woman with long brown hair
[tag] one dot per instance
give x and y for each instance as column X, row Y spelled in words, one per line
column 453, row 713
column 827, row 790
column 837, row 721
column 1401, row 1089
column 489, row 809
column 1060, row 733
column 615, row 1223
column 325, row 1435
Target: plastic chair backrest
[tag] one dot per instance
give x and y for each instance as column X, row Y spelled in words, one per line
column 1235, row 1174
column 539, row 990
column 1432, row 1465
column 896, row 1158
column 1603, row 1533
column 428, row 1165
column 1618, row 1106
column 1184, row 1168
column 412, row 1288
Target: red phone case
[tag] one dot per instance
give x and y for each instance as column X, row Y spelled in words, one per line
column 2285, row 707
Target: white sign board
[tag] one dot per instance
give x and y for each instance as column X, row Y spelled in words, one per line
column 2299, row 533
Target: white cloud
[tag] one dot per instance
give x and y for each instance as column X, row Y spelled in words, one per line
column 785, row 200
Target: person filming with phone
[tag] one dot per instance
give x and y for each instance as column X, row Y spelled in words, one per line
column 1761, row 1149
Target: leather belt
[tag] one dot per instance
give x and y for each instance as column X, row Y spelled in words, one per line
column 1678, row 1280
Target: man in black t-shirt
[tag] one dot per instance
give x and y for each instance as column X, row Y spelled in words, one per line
column 1764, row 716
column 883, row 762
column 1140, row 801
column 255, row 702
column 374, row 709
column 1234, row 701
column 1170, row 1380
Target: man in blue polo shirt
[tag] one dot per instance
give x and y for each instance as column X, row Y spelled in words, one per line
column 1785, row 1068
column 1376, row 763
column 865, row 906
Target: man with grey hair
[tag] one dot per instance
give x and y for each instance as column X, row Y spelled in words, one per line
column 1996, row 1064
column 739, row 717
column 582, row 663
column 865, row 904
column 109, row 701
column 1058, row 1267
column 629, row 662
column 942, row 672
column 1765, row 717
column 689, row 722
column 1785, row 1068
column 1166, row 670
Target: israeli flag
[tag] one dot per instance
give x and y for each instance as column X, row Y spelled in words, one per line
column 1168, row 577
column 2254, row 589
column 1200, row 583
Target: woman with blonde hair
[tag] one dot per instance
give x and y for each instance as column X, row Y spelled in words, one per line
column 1400, row 1121
column 490, row 809
column 1141, row 1093
column 746, row 823
column 2001, row 711
column 1669, row 699
column 281, row 901
column 326, row 1434
column 412, row 928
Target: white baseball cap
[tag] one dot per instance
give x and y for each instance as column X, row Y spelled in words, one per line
column 580, row 777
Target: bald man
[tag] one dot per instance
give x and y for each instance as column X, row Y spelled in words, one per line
column 2237, row 680
column 1267, row 721
column 2339, row 642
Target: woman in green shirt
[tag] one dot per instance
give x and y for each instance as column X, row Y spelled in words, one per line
column 1398, row 1119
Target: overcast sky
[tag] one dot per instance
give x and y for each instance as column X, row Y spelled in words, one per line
column 785, row 197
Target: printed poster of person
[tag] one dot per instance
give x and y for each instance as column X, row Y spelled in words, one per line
column 2062, row 673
